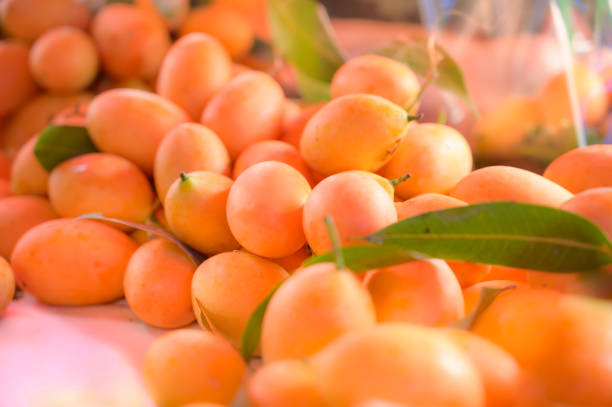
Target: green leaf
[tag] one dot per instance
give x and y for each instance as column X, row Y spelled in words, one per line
column 367, row 257
column 195, row 256
column 59, row 143
column 252, row 331
column 487, row 296
column 312, row 90
column 415, row 54
column 504, row 233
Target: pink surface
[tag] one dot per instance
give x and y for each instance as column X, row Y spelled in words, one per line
column 72, row 356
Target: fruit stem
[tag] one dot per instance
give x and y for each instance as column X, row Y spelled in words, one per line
column 399, row 180
column 335, row 239
column 412, row 117
column 184, row 177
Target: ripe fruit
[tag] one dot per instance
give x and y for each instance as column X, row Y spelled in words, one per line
column 188, row 147
column 248, row 109
column 18, row 214
column 502, row 183
column 377, row 75
column 7, row 285
column 229, row 286
column 353, row 132
column 5, row 188
column 157, row 284
column 190, row 366
column 421, row 292
column 28, row 177
column 423, row 203
column 195, row 211
column 292, row 132
column 28, row 19
column 16, row 81
column 582, row 168
column 316, row 305
column 294, row 261
column 194, row 69
column 223, row 23
column 436, row 156
column 472, row 294
column 100, row 182
column 72, row 262
column 402, row 363
column 358, row 203
column 264, row 209
column 271, row 150
column 132, row 41
column 64, row 59
column 285, row 383
column 595, row 205
column 132, row 123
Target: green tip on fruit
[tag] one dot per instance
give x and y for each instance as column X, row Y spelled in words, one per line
column 399, row 180
column 335, row 239
column 411, row 117
column 184, row 176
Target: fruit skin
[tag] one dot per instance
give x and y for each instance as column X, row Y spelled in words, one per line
column 194, row 69
column 72, row 262
column 100, row 182
column 521, row 322
column 230, row 286
column 28, row 177
column 329, row 303
column 186, row 148
column 294, row 261
column 353, row 132
column 423, row 203
column 358, row 204
column 5, row 165
column 216, row 19
column 64, row 59
column 285, row 383
column 28, row 19
column 424, row 292
column 271, row 150
column 471, row 295
column 247, row 110
column 157, row 284
column 292, row 130
column 582, row 168
column 264, row 209
column 7, row 285
column 377, row 363
column 132, row 123
column 195, row 210
column 189, row 366
column 16, row 82
column 5, row 188
column 378, row 75
column 18, row 214
column 436, row 156
column 595, row 205
column 502, row 183
column 131, row 40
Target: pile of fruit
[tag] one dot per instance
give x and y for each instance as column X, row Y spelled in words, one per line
column 214, row 191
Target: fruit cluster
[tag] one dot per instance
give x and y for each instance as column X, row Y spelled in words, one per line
column 213, row 152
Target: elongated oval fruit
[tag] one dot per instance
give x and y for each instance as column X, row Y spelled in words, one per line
column 353, row 132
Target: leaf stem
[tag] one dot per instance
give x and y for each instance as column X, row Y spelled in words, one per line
column 335, row 239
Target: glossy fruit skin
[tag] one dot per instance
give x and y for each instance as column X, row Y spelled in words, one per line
column 436, row 156
column 582, row 168
column 423, row 203
column 595, row 205
column 132, row 41
column 330, row 303
column 390, row 356
column 28, row 177
column 18, row 214
column 72, row 262
column 229, row 286
column 28, row 19
column 64, row 59
column 7, row 285
column 424, row 292
column 190, row 366
column 16, row 81
column 188, row 147
column 503, row 183
column 353, row 132
column 377, row 75
column 100, row 182
column 195, row 209
column 264, row 209
column 358, row 204
column 132, row 123
column 293, row 129
column 157, row 284
column 247, row 110
column 194, row 69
